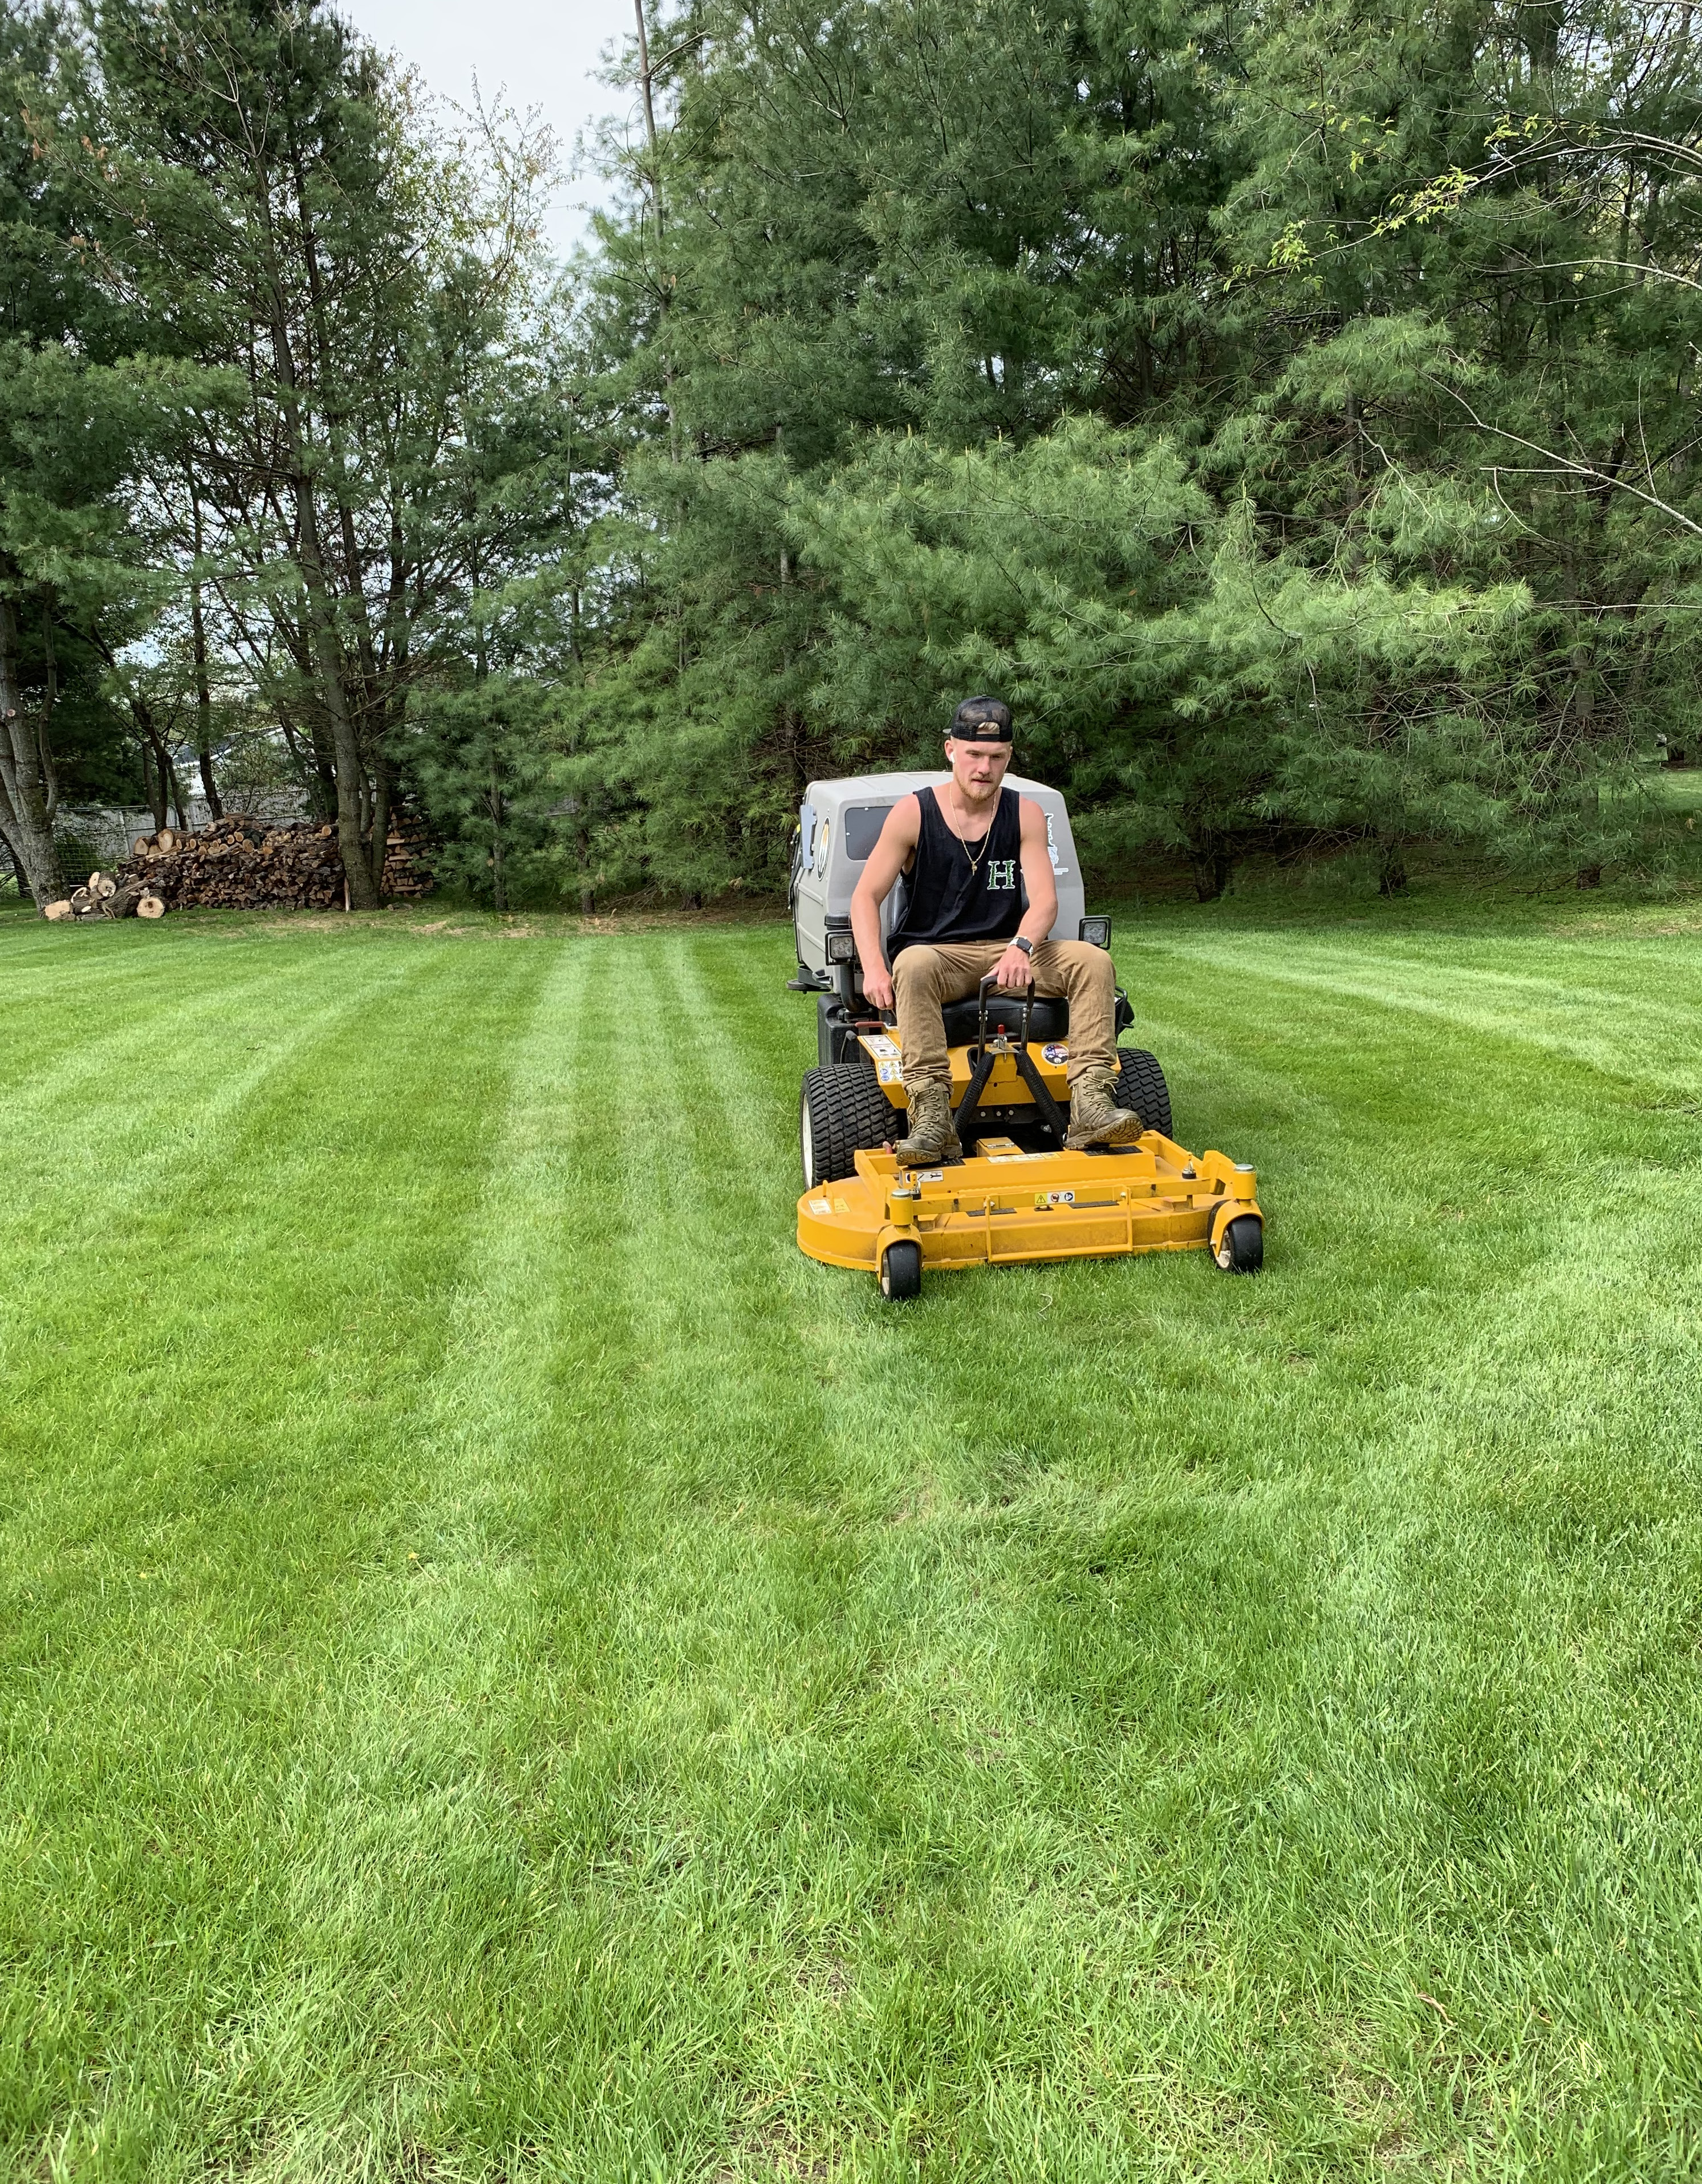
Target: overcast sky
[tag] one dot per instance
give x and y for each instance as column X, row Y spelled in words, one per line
column 538, row 54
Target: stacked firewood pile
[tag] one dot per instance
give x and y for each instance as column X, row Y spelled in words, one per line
column 247, row 864
column 102, row 895
column 405, row 873
column 238, row 863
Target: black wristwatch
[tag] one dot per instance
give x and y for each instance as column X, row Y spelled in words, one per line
column 1026, row 945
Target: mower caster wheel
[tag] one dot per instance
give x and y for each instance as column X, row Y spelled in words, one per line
column 1241, row 1248
column 901, row 1271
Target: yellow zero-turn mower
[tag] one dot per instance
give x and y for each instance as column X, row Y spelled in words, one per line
column 1003, row 1205
column 1020, row 1194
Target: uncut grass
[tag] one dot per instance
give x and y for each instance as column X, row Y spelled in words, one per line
column 1103, row 1720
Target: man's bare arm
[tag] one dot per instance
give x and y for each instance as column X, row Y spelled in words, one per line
column 1012, row 970
column 887, row 860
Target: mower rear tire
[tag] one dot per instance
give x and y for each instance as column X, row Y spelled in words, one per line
column 901, row 1271
column 842, row 1108
column 1141, row 1085
column 1241, row 1247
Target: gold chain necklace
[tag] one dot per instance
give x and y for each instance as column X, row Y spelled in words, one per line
column 976, row 863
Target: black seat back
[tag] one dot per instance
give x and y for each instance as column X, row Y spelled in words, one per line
column 1047, row 1019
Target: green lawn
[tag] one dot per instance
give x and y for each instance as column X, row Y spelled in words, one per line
column 509, row 1672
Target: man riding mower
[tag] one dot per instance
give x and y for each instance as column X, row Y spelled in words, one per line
column 958, row 896
column 972, row 850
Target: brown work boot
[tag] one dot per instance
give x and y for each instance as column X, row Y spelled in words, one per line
column 1095, row 1118
column 933, row 1137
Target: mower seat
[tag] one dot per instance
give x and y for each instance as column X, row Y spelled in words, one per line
column 1047, row 1019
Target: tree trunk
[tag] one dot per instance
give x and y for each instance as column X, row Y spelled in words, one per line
column 499, row 896
column 161, row 780
column 18, row 873
column 326, row 651
column 152, row 783
column 203, row 693
column 381, row 816
column 313, row 765
column 1213, row 861
column 29, row 793
column 351, row 780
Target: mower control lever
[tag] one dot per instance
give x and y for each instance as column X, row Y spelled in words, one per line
column 981, row 1020
column 1050, row 1112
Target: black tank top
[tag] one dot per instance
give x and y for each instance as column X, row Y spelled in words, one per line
column 949, row 898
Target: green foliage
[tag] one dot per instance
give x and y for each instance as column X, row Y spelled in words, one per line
column 1290, row 410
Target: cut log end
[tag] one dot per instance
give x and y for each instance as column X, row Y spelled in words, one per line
column 150, row 906
column 58, row 911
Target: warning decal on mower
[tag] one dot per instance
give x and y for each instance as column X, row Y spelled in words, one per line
column 821, row 1206
column 884, row 1053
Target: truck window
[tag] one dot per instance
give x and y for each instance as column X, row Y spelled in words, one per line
column 862, row 825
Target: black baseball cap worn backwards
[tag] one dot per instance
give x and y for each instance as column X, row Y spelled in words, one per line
column 980, row 721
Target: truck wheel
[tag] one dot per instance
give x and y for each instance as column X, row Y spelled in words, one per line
column 842, row 1109
column 1141, row 1085
column 1241, row 1247
column 901, row 1271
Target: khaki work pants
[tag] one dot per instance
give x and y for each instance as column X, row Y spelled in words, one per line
column 925, row 978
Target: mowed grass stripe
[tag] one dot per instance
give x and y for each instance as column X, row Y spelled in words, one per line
column 194, row 1521
column 138, row 1096
column 103, row 1023
column 1519, row 1513
column 431, row 1905
column 1639, row 1027
column 1105, row 1720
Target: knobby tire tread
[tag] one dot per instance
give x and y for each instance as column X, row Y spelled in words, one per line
column 1141, row 1085
column 848, row 1111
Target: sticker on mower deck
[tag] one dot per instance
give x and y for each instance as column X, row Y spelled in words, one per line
column 1060, row 1198
column 1057, row 1051
column 884, row 1053
column 821, row 1206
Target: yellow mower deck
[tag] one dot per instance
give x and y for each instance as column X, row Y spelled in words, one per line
column 1003, row 1206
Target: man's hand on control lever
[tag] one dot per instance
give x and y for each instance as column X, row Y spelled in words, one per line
column 877, row 987
column 1013, row 970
